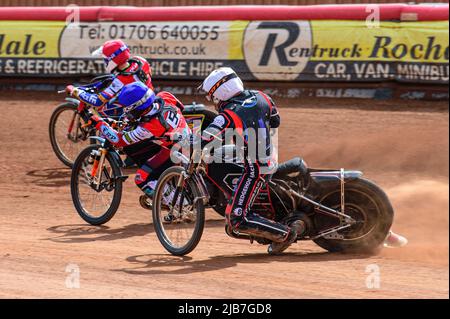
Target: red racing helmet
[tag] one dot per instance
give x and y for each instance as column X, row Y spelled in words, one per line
column 115, row 53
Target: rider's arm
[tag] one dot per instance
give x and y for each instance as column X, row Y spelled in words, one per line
column 143, row 132
column 216, row 130
column 99, row 99
column 96, row 85
column 275, row 119
column 123, row 139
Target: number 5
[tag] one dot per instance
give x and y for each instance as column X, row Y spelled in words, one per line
column 173, row 119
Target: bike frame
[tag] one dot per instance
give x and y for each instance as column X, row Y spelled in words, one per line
column 98, row 165
column 196, row 171
column 345, row 220
column 192, row 171
column 96, row 173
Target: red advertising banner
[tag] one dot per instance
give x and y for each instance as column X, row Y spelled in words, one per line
column 387, row 12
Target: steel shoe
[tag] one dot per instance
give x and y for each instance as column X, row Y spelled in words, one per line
column 276, row 248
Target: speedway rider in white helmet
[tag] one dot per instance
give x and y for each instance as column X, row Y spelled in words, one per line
column 241, row 110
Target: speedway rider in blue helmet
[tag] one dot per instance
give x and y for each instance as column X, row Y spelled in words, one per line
column 153, row 116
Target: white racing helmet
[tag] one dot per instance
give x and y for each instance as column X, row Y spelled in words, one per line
column 221, row 85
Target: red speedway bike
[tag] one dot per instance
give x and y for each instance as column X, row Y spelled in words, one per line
column 98, row 170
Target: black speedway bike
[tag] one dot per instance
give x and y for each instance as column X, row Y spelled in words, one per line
column 342, row 211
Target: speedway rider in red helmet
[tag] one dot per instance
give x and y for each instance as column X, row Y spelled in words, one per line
column 122, row 66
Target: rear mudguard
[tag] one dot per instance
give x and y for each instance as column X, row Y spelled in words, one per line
column 193, row 108
column 322, row 180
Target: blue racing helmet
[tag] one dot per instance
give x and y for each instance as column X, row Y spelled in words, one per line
column 138, row 100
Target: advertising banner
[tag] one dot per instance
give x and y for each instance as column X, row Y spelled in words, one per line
column 310, row 50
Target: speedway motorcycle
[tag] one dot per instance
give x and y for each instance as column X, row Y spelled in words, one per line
column 69, row 134
column 342, row 210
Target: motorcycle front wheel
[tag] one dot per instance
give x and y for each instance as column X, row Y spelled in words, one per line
column 178, row 213
column 67, row 136
column 95, row 204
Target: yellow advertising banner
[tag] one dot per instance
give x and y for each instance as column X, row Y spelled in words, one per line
column 388, row 41
column 30, row 39
column 319, row 50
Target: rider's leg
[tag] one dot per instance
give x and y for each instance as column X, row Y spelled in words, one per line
column 129, row 163
column 241, row 219
column 147, row 176
column 144, row 182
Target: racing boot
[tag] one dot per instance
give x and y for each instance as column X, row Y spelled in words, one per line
column 297, row 228
column 146, row 199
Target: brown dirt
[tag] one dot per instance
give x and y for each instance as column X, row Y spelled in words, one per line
column 40, row 232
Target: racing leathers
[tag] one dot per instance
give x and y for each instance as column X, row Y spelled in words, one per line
column 138, row 70
column 168, row 121
column 250, row 111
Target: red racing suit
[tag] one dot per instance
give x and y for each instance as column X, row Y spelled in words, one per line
column 138, row 70
column 168, row 121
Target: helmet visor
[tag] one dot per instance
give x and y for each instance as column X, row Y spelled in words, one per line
column 139, row 107
column 202, row 91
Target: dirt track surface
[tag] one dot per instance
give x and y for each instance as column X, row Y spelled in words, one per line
column 41, row 234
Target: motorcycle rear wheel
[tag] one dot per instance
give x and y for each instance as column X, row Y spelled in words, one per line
column 367, row 203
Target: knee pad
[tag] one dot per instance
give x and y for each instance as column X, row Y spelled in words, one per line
column 234, row 215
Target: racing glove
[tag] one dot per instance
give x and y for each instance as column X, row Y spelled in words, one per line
column 71, row 90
